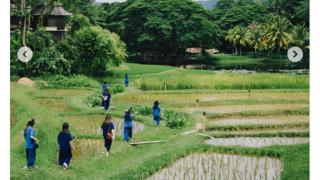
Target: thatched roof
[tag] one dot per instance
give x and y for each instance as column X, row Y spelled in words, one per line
column 59, row 11
column 42, row 9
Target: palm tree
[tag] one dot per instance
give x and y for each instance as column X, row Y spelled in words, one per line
column 255, row 33
column 243, row 38
column 300, row 36
column 238, row 36
column 277, row 33
column 233, row 38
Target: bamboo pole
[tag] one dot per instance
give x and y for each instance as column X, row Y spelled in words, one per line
column 146, row 142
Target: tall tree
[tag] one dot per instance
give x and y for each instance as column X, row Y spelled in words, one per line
column 300, row 36
column 277, row 33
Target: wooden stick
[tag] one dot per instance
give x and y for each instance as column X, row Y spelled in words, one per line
column 146, row 142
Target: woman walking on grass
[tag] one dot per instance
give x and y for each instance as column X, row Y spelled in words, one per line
column 31, row 143
column 65, row 144
column 128, row 117
column 156, row 112
column 106, row 97
column 108, row 132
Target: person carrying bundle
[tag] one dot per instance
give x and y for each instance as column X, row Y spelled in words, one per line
column 108, row 133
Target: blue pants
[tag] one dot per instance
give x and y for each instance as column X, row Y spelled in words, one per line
column 107, row 144
column 127, row 133
column 156, row 120
column 65, row 157
column 106, row 105
column 31, row 156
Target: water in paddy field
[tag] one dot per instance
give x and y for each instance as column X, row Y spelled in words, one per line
column 207, row 166
column 256, row 142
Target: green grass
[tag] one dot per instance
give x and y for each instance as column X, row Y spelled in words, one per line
column 200, row 79
column 250, row 62
column 128, row 162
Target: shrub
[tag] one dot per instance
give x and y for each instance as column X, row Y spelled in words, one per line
column 174, row 119
column 97, row 49
column 143, row 110
column 71, row 81
column 116, row 89
column 49, row 62
column 94, row 99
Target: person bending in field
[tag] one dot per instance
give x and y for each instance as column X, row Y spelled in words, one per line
column 126, row 80
column 108, row 133
column 31, row 143
column 65, row 144
column 106, row 97
column 128, row 117
column 156, row 112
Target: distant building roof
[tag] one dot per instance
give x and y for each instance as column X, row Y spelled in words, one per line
column 59, row 11
column 193, row 50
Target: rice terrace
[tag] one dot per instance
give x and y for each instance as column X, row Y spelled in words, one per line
column 266, row 130
column 159, row 89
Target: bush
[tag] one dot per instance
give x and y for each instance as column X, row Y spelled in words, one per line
column 97, row 49
column 116, row 89
column 71, row 81
column 174, row 119
column 94, row 99
column 143, row 110
column 49, row 62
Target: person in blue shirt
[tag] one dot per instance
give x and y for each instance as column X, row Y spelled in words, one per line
column 108, row 133
column 65, row 144
column 30, row 143
column 104, row 86
column 126, row 80
column 127, row 126
column 106, row 97
column 156, row 113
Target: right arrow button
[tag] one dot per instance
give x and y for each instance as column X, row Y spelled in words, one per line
column 295, row 54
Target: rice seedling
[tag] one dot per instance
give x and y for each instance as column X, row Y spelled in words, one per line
column 256, row 142
column 276, row 120
column 55, row 104
column 221, row 166
column 192, row 97
column 242, row 108
column 88, row 146
column 220, row 80
column 49, row 92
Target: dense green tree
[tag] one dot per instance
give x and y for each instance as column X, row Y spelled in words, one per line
column 297, row 11
column 255, row 37
column 97, row 49
column 162, row 28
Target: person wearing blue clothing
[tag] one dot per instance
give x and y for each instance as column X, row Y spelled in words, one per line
column 30, row 143
column 126, row 80
column 106, row 97
column 104, row 86
column 127, row 126
column 65, row 144
column 108, row 133
column 156, row 113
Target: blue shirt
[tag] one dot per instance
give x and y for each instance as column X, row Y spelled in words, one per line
column 156, row 111
column 104, row 86
column 29, row 142
column 64, row 141
column 128, row 120
column 106, row 127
